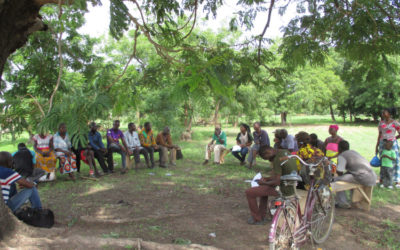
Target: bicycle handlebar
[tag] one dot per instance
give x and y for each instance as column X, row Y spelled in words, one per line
column 302, row 162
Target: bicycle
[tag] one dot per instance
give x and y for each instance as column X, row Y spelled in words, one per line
column 290, row 228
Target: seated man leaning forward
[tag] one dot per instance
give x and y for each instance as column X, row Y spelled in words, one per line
column 113, row 146
column 219, row 137
column 8, row 177
column 164, row 141
column 267, row 185
column 261, row 139
column 353, row 168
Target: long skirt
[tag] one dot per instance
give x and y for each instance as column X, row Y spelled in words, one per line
column 396, row 165
column 47, row 163
column 67, row 164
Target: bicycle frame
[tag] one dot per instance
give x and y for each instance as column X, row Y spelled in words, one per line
column 301, row 230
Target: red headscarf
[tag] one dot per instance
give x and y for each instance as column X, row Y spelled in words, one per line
column 334, row 126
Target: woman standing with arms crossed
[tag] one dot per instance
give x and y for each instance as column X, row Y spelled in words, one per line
column 387, row 130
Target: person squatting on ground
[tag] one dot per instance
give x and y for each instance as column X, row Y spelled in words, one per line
column 219, row 137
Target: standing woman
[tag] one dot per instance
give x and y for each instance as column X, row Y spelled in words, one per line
column 45, row 157
column 387, row 130
column 244, row 141
column 332, row 143
column 62, row 146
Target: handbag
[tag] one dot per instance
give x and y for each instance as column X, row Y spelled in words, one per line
column 179, row 155
column 375, row 162
column 36, row 217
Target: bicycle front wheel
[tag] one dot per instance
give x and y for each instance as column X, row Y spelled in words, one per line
column 282, row 229
column 322, row 215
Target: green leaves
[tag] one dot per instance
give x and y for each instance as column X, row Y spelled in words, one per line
column 119, row 21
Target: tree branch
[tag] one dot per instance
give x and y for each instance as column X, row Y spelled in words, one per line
column 37, row 104
column 133, row 55
column 194, row 21
column 59, row 56
column 271, row 5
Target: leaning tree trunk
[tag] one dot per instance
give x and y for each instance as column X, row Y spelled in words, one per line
column 9, row 224
column 332, row 114
column 216, row 113
column 18, row 19
column 283, row 118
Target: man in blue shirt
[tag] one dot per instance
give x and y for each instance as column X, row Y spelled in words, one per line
column 8, row 178
column 260, row 139
column 97, row 145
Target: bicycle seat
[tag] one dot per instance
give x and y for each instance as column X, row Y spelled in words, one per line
column 293, row 176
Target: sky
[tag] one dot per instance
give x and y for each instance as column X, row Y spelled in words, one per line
column 98, row 18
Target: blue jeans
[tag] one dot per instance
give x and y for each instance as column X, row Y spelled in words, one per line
column 242, row 156
column 20, row 198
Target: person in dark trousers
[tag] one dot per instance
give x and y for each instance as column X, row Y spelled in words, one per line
column 114, row 135
column 148, row 141
column 261, row 139
column 24, row 163
column 100, row 151
column 244, row 141
column 133, row 142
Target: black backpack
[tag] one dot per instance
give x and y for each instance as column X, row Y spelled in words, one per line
column 23, row 162
column 36, row 217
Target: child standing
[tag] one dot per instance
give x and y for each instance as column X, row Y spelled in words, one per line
column 387, row 157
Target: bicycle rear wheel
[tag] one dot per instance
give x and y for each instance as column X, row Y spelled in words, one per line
column 282, row 229
column 322, row 215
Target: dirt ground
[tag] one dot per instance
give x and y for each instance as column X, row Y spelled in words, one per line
column 177, row 214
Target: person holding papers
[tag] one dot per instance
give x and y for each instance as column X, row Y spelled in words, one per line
column 266, row 186
column 244, row 141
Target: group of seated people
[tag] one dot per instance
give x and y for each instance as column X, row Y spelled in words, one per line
column 248, row 143
column 351, row 167
column 39, row 165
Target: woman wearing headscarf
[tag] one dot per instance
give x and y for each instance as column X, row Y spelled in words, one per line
column 387, row 131
column 244, row 141
column 332, row 143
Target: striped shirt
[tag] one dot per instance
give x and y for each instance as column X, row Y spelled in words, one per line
column 7, row 177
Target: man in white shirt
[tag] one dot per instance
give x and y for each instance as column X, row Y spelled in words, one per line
column 133, row 143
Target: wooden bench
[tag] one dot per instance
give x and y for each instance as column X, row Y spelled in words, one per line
column 362, row 195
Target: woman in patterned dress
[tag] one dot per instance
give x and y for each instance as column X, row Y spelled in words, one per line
column 387, row 130
column 62, row 145
column 45, row 156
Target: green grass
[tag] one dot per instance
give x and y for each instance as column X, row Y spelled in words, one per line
column 211, row 179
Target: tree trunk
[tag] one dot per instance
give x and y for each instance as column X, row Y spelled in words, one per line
column 351, row 117
column 216, row 113
column 138, row 116
column 18, row 19
column 8, row 222
column 283, row 118
column 332, row 114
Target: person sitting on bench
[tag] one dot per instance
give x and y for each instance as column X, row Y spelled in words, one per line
column 24, row 163
column 8, row 177
column 267, row 185
column 353, row 168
